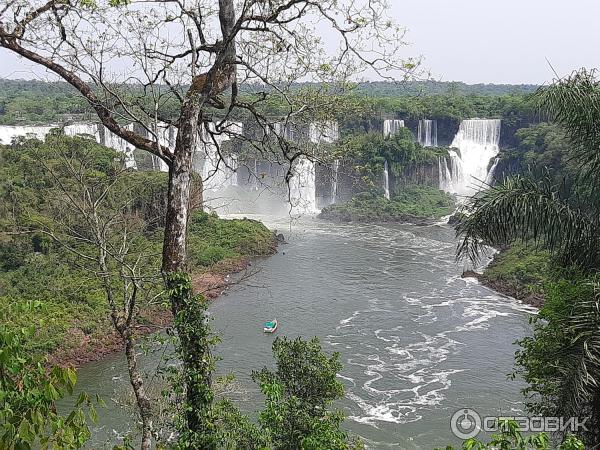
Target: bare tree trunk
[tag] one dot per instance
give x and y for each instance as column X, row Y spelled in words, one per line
column 178, row 197
column 143, row 402
column 194, row 346
column 123, row 327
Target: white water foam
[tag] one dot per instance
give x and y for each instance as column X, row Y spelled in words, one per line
column 407, row 372
column 219, row 168
column 8, row 133
column 478, row 141
column 303, row 188
column 386, row 180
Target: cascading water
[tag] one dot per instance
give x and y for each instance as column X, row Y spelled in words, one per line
column 286, row 130
column 255, row 179
column 303, row 188
column 478, row 142
column 335, row 168
column 83, row 129
column 219, row 169
column 327, row 133
column 490, row 176
column 427, row 133
column 323, row 132
column 392, row 126
column 104, row 137
column 111, row 140
column 386, row 180
column 445, row 177
column 8, row 133
column 166, row 136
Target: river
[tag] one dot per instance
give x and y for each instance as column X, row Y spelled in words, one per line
column 417, row 341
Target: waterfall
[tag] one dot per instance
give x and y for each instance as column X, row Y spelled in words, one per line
column 256, row 180
column 323, row 132
column 445, row 176
column 166, row 136
column 285, row 130
column 392, row 126
column 489, row 179
column 83, row 129
column 111, row 140
column 335, row 168
column 219, row 168
column 478, row 142
column 303, row 188
column 448, row 174
column 104, row 137
column 427, row 133
column 8, row 133
column 386, row 180
column 326, row 132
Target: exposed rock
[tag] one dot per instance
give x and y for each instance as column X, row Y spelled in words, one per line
column 507, row 288
column 455, row 218
column 471, row 274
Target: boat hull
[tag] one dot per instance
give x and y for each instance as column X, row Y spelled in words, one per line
column 271, row 329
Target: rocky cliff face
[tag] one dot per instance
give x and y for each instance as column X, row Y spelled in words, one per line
column 426, row 174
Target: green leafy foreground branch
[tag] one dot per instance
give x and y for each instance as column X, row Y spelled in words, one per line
column 511, row 438
column 28, row 395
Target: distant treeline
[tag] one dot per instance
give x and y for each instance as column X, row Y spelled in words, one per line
column 388, row 89
column 38, row 102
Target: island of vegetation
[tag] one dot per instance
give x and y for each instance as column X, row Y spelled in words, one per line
column 421, row 205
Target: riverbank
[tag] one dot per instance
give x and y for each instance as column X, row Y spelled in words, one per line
column 82, row 349
column 519, row 271
column 68, row 307
column 421, row 205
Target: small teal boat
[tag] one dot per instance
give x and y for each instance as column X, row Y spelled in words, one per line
column 270, row 327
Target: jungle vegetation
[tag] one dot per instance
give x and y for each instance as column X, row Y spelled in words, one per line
column 553, row 207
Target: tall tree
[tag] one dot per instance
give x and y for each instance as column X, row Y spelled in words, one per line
column 90, row 215
column 134, row 61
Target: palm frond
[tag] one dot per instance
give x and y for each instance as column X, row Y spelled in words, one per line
column 528, row 209
column 581, row 359
column 574, row 103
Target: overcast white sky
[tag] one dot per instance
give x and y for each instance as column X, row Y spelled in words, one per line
column 502, row 41
column 480, row 41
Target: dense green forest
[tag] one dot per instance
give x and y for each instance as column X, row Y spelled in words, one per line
column 432, row 87
column 42, row 274
column 411, row 204
column 549, row 210
column 36, row 102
